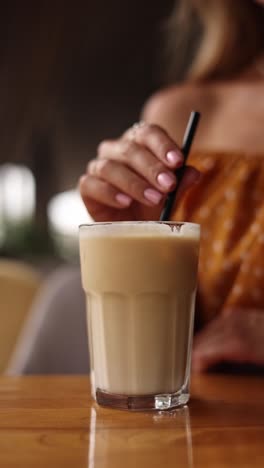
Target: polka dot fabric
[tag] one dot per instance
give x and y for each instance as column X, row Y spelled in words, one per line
column 228, row 202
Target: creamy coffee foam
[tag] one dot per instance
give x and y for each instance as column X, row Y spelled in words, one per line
column 144, row 229
column 140, row 283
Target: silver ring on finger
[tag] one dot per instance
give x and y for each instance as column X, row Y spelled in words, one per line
column 135, row 127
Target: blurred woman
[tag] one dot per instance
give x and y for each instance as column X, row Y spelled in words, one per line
column 132, row 175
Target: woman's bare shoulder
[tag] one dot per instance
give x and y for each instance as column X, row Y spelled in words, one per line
column 170, row 107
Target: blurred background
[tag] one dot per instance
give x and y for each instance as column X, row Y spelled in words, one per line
column 70, row 75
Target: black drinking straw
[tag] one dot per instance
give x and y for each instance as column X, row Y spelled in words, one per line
column 186, row 146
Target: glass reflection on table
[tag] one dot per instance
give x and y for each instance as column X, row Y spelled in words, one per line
column 134, row 439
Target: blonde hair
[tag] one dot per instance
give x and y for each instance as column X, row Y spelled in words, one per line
column 219, row 37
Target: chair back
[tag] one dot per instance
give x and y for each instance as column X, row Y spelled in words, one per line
column 18, row 286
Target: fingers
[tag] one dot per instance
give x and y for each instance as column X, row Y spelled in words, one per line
column 156, row 141
column 125, row 180
column 216, row 354
column 210, row 330
column 121, row 180
column 228, row 338
column 138, row 167
column 141, row 161
column 211, row 346
column 93, row 190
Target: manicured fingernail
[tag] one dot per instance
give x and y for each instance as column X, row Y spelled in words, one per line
column 166, row 180
column 123, row 199
column 153, row 196
column 174, row 158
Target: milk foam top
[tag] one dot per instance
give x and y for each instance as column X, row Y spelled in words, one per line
column 141, row 229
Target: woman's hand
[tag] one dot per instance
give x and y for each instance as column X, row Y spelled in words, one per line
column 131, row 176
column 236, row 336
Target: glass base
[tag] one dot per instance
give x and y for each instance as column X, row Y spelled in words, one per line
column 161, row 402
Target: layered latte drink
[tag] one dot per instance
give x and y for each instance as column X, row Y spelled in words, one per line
column 140, row 283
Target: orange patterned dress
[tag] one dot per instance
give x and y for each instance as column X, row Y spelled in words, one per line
column 228, row 202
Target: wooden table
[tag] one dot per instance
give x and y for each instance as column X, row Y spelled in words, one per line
column 52, row 422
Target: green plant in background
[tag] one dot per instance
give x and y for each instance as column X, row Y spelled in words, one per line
column 25, row 240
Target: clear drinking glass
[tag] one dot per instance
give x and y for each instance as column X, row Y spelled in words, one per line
column 140, row 283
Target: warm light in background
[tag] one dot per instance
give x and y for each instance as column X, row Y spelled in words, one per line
column 17, row 196
column 66, row 212
column 17, row 193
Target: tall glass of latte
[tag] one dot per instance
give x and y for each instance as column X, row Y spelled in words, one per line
column 140, row 282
